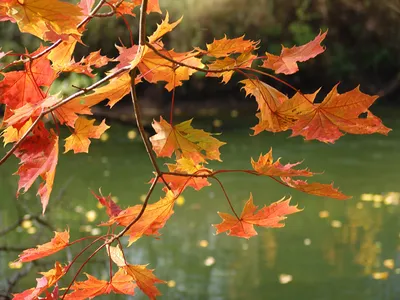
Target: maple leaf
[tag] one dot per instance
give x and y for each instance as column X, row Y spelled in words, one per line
column 266, row 166
column 115, row 90
column 154, row 68
column 268, row 99
column 177, row 184
column 86, row 6
column 152, row 5
column 153, row 218
column 21, row 87
column 268, row 216
column 145, row 279
column 315, row 188
column 61, row 55
column 163, row 28
column 57, row 243
column 112, row 208
column 38, row 156
column 286, row 62
column 184, row 141
column 224, row 47
column 13, row 134
column 40, row 16
column 83, row 66
column 84, row 129
column 92, row 287
column 49, row 279
column 244, row 60
column 338, row 112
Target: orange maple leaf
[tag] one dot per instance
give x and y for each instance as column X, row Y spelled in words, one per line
column 225, row 47
column 152, row 5
column 268, row 216
column 244, row 60
column 315, row 188
column 268, row 99
column 154, row 68
column 145, row 279
column 40, row 16
column 92, row 287
column 266, row 166
column 115, row 90
column 177, row 184
column 338, row 112
column 57, row 243
column 154, row 218
column 184, row 141
column 84, row 129
column 38, row 156
column 112, row 208
column 163, row 28
column 13, row 134
column 49, row 279
column 21, row 87
column 286, row 62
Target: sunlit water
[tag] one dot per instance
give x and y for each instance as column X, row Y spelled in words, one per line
column 331, row 250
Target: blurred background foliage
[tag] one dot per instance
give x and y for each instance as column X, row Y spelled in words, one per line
column 363, row 42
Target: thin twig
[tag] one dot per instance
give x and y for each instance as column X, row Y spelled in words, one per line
column 226, row 196
column 139, row 124
column 142, row 23
column 146, row 201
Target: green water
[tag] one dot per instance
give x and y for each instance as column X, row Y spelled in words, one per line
column 331, row 250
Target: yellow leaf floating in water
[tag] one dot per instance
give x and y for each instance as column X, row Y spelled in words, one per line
column 380, row 275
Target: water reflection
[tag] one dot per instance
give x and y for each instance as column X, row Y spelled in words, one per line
column 332, row 250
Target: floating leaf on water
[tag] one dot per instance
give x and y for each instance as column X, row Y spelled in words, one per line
column 367, row 197
column 26, row 224
column 285, row 278
column 392, row 198
column 171, row 283
column 389, row 263
column 132, row 134
column 31, row 230
column 104, row 137
column 91, row 215
column 95, row 231
column 209, row 261
column 180, row 201
column 323, row 214
column 336, row 224
column 380, row 275
column 203, row 243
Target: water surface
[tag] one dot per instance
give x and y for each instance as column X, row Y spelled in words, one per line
column 333, row 249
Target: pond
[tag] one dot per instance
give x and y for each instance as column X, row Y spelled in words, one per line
column 333, row 249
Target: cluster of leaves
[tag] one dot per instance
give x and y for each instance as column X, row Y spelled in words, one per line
column 24, row 90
